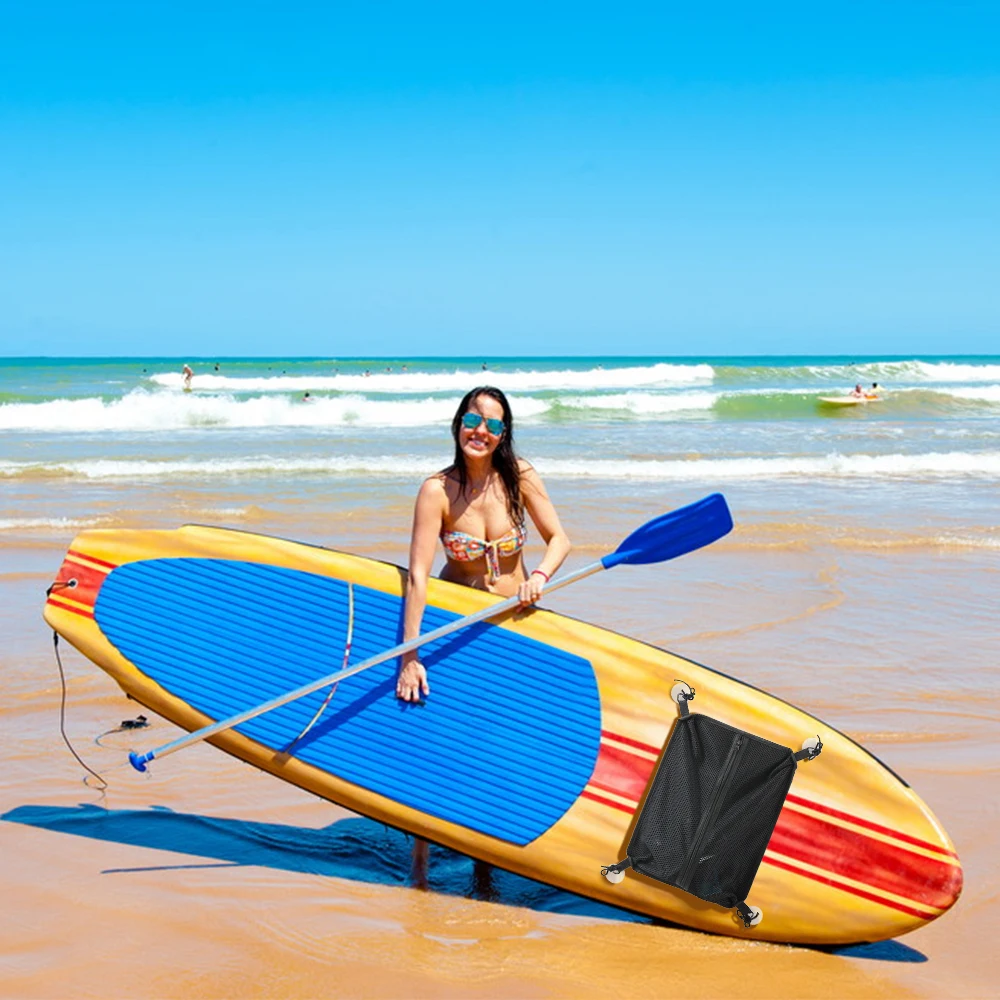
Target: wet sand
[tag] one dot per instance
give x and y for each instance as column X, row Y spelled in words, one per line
column 206, row 878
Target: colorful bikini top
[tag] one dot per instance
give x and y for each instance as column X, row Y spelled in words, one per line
column 463, row 547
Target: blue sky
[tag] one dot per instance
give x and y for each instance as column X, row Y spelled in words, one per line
column 386, row 179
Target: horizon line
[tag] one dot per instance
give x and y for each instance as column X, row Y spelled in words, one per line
column 476, row 359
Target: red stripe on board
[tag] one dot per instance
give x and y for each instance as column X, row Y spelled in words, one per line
column 638, row 767
column 619, row 771
column 632, row 743
column 923, row 915
column 883, row 866
column 69, row 607
column 848, row 853
column 614, row 791
column 88, row 582
column 607, row 802
column 93, row 559
column 871, row 826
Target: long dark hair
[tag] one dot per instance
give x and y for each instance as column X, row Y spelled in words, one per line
column 504, row 458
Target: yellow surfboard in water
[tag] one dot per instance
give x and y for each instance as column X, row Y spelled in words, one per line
column 544, row 777
column 847, row 400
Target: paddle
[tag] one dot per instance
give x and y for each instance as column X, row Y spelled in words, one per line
column 665, row 537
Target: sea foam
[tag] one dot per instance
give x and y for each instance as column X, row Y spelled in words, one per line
column 458, row 381
column 929, row 465
column 641, row 403
column 142, row 410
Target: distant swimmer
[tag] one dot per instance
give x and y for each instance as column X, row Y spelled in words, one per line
column 307, row 396
column 188, row 375
column 484, row 366
column 874, row 391
column 216, row 365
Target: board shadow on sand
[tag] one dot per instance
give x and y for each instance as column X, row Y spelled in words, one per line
column 355, row 848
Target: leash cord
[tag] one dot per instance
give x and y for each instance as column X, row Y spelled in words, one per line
column 62, row 722
column 347, row 656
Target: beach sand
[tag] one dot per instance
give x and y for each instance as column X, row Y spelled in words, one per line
column 206, row 878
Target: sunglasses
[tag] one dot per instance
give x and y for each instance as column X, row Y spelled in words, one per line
column 472, row 420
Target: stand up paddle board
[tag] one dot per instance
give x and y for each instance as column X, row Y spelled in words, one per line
column 542, row 774
column 847, row 400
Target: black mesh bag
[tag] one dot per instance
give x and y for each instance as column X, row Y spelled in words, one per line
column 710, row 809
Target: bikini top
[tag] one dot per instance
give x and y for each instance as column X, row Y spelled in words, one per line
column 463, row 547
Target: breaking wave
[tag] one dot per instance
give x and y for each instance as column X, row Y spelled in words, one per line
column 143, row 410
column 981, row 465
column 398, row 382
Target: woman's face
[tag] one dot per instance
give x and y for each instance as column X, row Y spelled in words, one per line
column 477, row 443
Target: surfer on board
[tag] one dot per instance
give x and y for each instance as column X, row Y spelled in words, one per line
column 858, row 392
column 188, row 373
column 476, row 507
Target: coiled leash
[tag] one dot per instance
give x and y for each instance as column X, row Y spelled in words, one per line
column 138, row 723
column 102, row 788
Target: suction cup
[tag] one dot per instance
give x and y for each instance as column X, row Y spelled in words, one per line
column 681, row 689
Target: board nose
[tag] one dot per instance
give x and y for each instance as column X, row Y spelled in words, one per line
column 78, row 582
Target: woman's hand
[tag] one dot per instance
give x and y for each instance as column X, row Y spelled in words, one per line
column 411, row 684
column 529, row 591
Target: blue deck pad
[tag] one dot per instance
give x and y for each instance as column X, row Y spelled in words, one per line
column 504, row 745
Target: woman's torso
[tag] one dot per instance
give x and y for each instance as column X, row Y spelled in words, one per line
column 472, row 519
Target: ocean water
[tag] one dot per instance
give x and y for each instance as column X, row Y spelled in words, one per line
column 755, row 426
column 860, row 583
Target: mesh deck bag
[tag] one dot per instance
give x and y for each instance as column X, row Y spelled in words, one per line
column 710, row 810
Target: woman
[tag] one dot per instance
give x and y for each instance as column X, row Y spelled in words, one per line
column 476, row 507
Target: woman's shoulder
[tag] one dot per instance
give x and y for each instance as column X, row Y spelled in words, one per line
column 436, row 483
column 432, row 497
column 527, row 474
column 443, row 485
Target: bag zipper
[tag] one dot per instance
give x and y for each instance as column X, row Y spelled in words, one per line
column 708, row 819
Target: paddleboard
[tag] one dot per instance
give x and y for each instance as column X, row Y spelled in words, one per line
column 534, row 749
column 847, row 400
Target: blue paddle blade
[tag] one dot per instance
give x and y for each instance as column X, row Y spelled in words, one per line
column 671, row 535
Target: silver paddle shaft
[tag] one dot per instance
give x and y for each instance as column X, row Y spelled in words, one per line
column 140, row 760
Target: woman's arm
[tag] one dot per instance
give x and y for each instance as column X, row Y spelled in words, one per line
column 546, row 520
column 428, row 516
